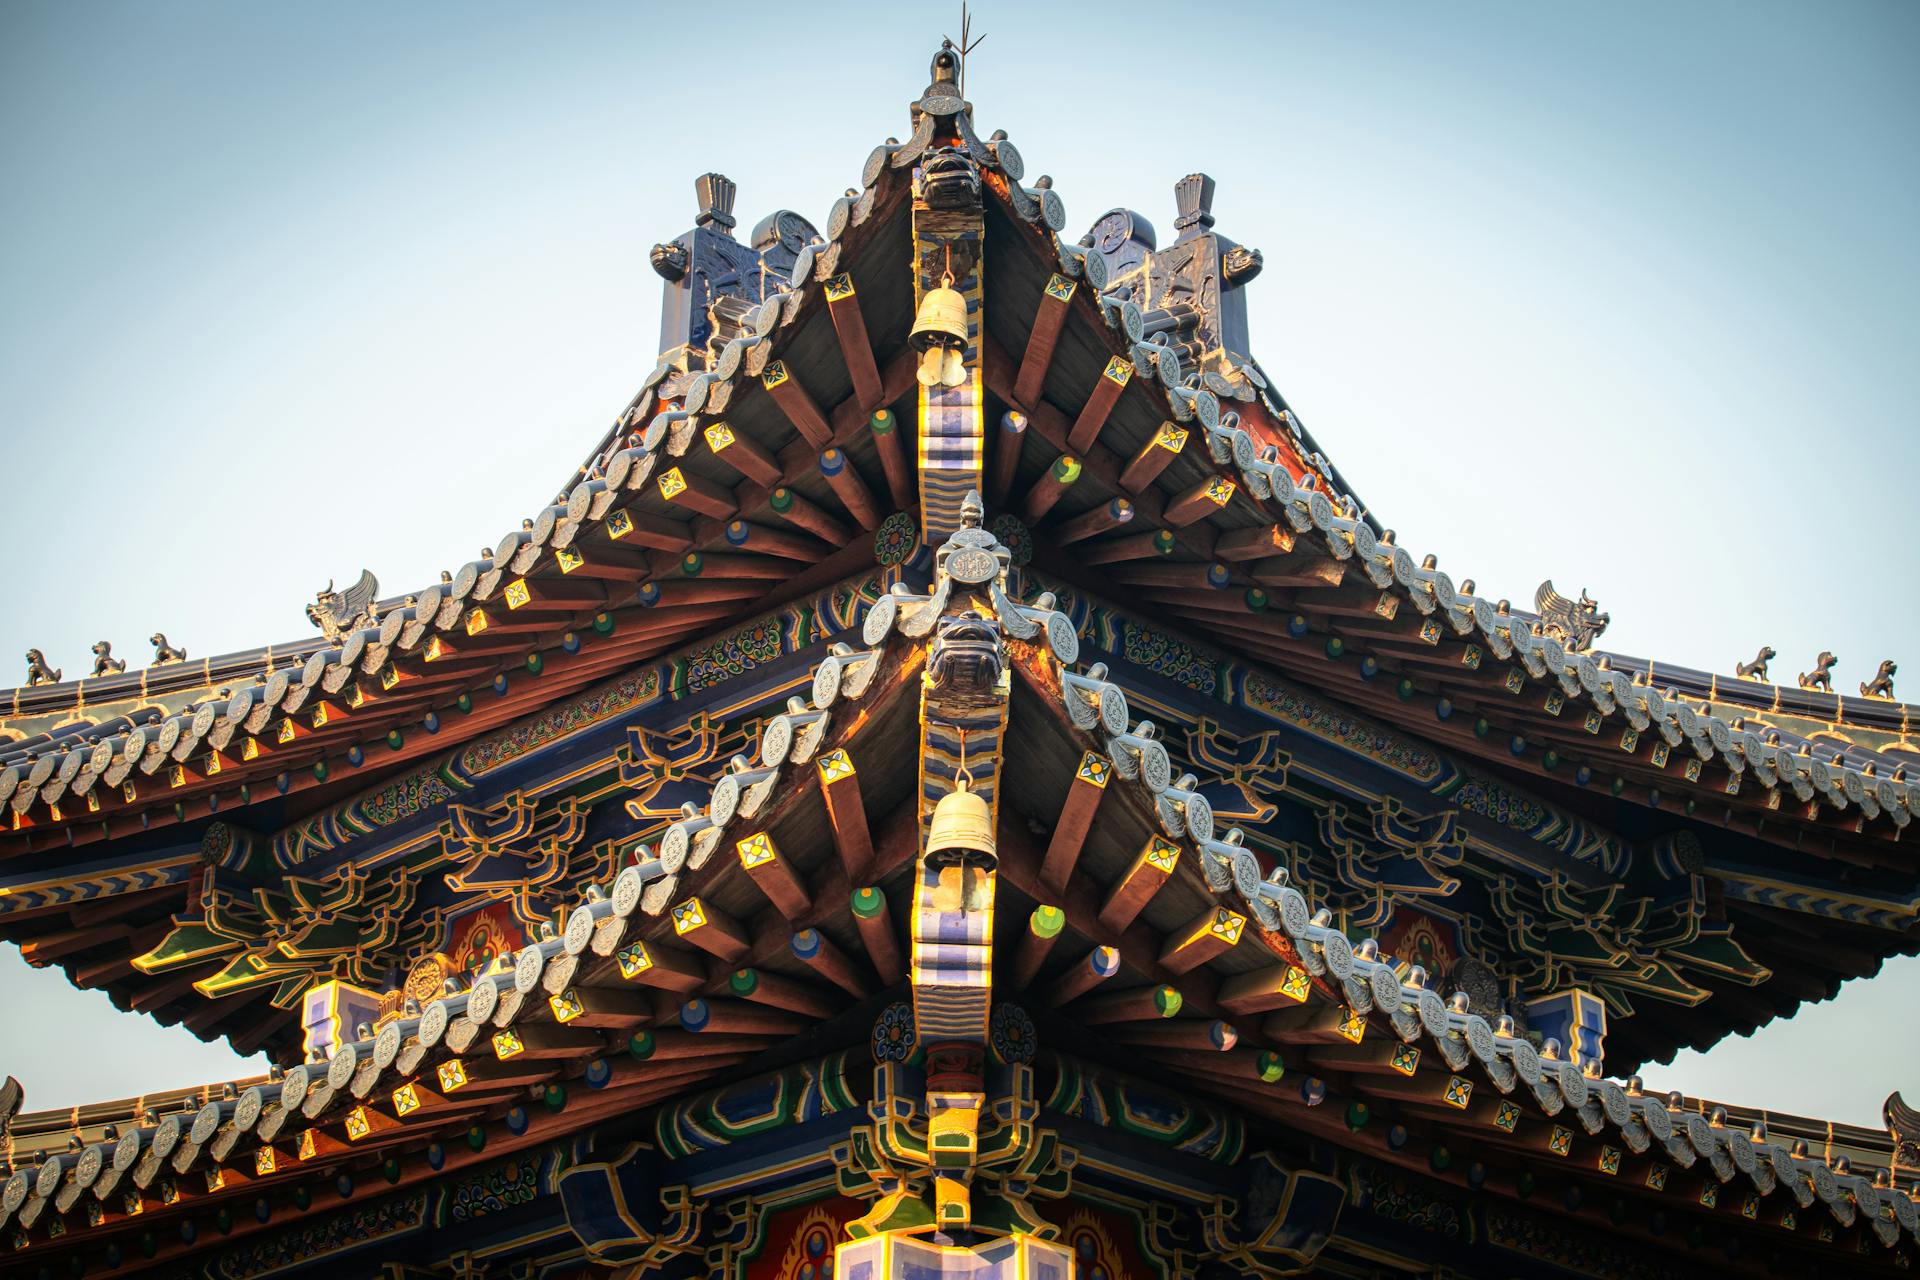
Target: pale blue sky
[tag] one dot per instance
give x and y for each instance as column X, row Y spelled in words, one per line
column 1621, row 296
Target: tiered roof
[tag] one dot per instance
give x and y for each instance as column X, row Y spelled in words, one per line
column 207, row 840
column 750, row 940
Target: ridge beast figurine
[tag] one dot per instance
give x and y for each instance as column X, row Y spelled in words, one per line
column 1757, row 669
column 337, row 612
column 104, row 663
column 1578, row 623
column 1881, row 686
column 1821, row 677
column 38, row 672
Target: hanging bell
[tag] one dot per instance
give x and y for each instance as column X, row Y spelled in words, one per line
column 940, row 335
column 962, row 831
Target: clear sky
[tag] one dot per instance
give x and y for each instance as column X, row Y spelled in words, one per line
column 1619, row 295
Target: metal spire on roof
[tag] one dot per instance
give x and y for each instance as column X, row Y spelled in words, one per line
column 965, row 45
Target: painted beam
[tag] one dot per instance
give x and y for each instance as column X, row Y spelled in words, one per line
column 885, row 425
column 745, row 455
column 1130, row 894
column 1153, row 457
column 783, row 384
column 738, row 1017
column 699, row 922
column 764, row 540
column 1133, row 546
column 1274, row 986
column 774, row 875
column 1006, row 457
column 1212, row 933
column 844, row 479
column 1139, row 1004
column 818, row 952
column 1035, row 944
column 846, row 813
column 779, row 992
column 1052, row 485
column 875, row 922
column 1198, row 502
column 856, row 349
column 696, row 493
column 1199, row 1035
column 1114, row 513
column 654, row 965
column 1093, row 969
column 1099, row 404
column 1042, row 339
column 600, row 1008
column 631, row 526
column 1076, row 818
column 1253, row 543
column 803, row 513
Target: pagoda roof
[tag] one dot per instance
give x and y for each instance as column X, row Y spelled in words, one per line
column 1242, row 532
column 722, row 547
column 74, row 754
column 749, row 483
column 734, row 955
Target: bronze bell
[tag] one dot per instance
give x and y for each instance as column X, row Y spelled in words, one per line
column 962, row 831
column 940, row 335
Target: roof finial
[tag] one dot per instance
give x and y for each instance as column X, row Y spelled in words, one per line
column 1193, row 195
column 965, row 45
column 715, row 192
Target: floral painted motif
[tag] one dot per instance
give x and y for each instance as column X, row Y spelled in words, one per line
column 893, row 1033
column 1094, row 1254
column 493, row 1189
column 406, row 797
column 1589, row 1253
column 324, row 1236
column 734, row 654
column 485, row 936
column 216, row 843
column 1176, row 660
column 1011, row 533
column 1336, row 725
column 1491, row 800
column 794, row 1243
column 809, row 1254
column 1012, row 1034
column 1418, row 938
column 894, row 541
column 1395, row 1196
column 623, row 695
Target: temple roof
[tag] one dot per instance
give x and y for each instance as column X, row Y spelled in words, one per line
column 732, row 952
column 1276, row 546
column 1705, row 851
